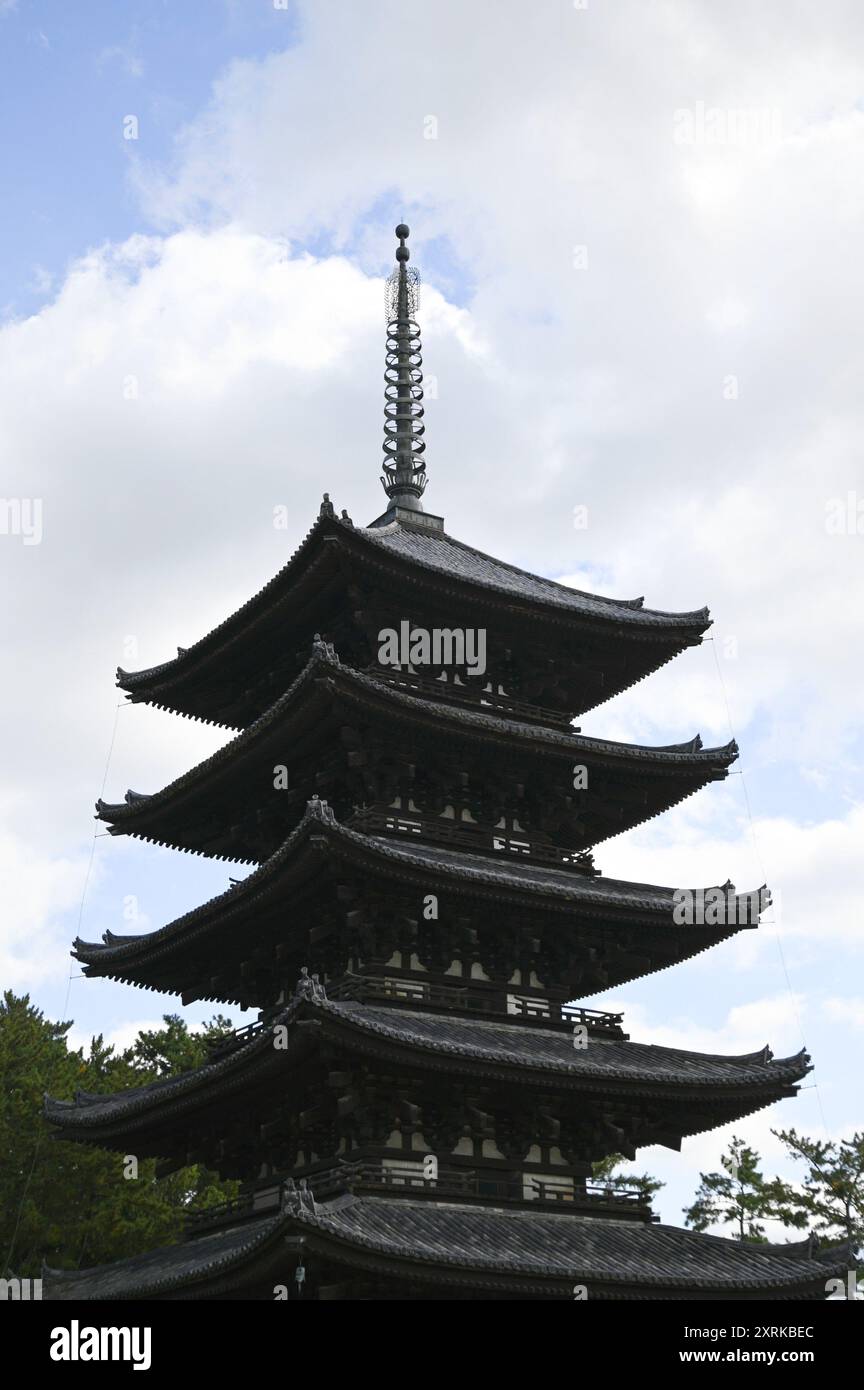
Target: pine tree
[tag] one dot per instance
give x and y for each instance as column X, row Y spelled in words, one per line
column 739, row 1196
column 606, row 1171
column 831, row 1200
column 69, row 1204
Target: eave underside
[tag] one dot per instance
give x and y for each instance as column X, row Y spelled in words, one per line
column 228, row 807
column 204, row 681
column 697, row 1091
column 269, row 912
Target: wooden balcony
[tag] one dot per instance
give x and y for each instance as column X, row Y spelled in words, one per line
column 478, row 840
column 502, row 1004
column 472, row 696
column 394, row 1178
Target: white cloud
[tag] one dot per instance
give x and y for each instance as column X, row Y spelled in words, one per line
column 124, row 1034
column 605, row 385
column 746, row 1028
column 181, row 385
column 37, row 892
column 848, row 1011
column 812, row 869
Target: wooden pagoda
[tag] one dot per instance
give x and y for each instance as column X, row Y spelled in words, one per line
column 416, row 1112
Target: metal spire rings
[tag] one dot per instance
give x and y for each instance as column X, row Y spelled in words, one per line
column 404, row 476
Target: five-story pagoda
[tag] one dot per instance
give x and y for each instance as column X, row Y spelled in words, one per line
column 416, row 1112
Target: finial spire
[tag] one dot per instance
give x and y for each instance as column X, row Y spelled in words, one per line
column 404, row 476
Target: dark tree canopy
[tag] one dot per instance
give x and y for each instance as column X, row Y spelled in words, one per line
column 69, row 1204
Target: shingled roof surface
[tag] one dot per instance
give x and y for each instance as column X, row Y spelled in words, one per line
column 441, row 555
column 160, row 1272
column 436, row 550
column 593, row 895
column 605, row 1062
column 571, row 1247
column 687, row 757
column 437, row 1238
column 612, row 1058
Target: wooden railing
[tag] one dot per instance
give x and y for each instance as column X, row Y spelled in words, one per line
column 458, row 998
column 471, row 697
column 413, row 991
column 217, row 1048
column 497, row 843
column 454, row 1183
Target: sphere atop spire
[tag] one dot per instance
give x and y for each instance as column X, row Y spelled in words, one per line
column 402, row 252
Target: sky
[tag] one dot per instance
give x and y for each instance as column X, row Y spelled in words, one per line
column 639, row 230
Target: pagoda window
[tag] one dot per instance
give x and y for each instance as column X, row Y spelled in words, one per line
column 419, row 1143
column 465, row 1147
column 414, row 963
column 477, row 971
column 454, row 968
column 395, row 1141
column 515, row 978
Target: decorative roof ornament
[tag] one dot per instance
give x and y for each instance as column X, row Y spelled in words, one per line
column 404, row 476
column 320, row 809
column 325, row 651
column 308, row 987
column 297, row 1198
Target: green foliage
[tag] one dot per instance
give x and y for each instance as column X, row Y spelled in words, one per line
column 174, row 1049
column 70, row 1204
column 738, row 1197
column 830, row 1201
column 606, row 1171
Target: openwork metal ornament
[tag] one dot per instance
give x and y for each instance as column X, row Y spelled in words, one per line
column 391, row 293
column 404, row 476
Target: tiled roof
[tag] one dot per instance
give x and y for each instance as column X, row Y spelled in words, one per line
column 545, row 1253
column 574, row 1248
column 441, row 555
column 435, row 550
column 604, row 1064
column 592, row 895
column 612, row 1059
column 160, row 1272
column 678, row 758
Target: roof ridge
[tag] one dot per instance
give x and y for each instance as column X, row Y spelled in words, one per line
column 323, row 654
column 476, row 865
column 634, row 604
